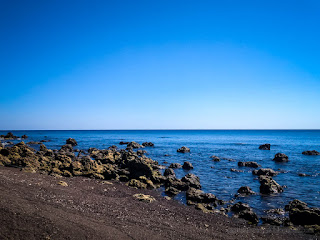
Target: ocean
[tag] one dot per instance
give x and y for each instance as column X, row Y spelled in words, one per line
column 230, row 145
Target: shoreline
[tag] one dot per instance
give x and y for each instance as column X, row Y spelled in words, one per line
column 35, row 206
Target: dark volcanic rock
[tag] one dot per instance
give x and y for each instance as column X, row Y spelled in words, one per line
column 192, row 180
column 183, row 149
column 269, row 186
column 310, row 153
column 67, row 148
column 215, row 158
column 72, row 142
column 244, row 211
column 171, row 191
column 187, row 166
column 235, row 170
column 9, row 135
column 175, row 165
column 134, row 145
column 264, row 146
column 123, row 143
column 24, row 136
column 265, row 171
column 169, row 172
column 197, row 196
column 248, row 164
column 45, row 140
column 148, row 144
column 245, row 190
column 301, row 214
column 281, row 157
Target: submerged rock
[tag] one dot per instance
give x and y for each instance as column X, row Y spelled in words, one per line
column 148, row 144
column 280, row 157
column 245, row 190
column 265, row 146
column 311, row 153
column 187, row 166
column 175, row 165
column 269, row 186
column 265, row 171
column 215, row 158
column 248, row 164
column 183, row 149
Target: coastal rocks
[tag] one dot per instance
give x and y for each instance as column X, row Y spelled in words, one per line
column 175, row 165
column 301, row 214
column 144, row 197
column 280, row 157
column 9, row 135
column 245, row 190
column 176, row 183
column 244, row 211
column 269, row 186
column 187, row 166
column 183, row 149
column 194, row 196
column 171, row 191
column 311, row 153
column 136, row 183
column 192, row 180
column 72, row 142
column 148, row 144
column 66, row 148
column 215, row 158
column 63, row 183
column 265, row 146
column 123, row 143
column 134, row 145
column 265, row 171
column 24, row 137
column 169, row 172
column 236, row 170
column 248, row 164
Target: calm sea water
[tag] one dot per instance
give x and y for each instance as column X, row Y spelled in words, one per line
column 216, row 177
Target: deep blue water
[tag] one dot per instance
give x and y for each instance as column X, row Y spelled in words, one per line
column 216, row 177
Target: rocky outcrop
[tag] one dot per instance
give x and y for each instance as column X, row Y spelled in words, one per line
column 183, row 149
column 244, row 211
column 245, row 190
column 169, row 172
column 301, row 214
column 187, row 166
column 24, row 136
column 269, row 186
column 8, row 136
column 280, row 157
column 248, row 164
column 215, row 158
column 148, row 144
column 134, row 145
column 311, row 153
column 192, row 180
column 175, row 165
column 195, row 196
column 72, row 142
column 265, row 146
column 265, row 171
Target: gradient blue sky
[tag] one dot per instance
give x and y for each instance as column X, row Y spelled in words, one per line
column 159, row 64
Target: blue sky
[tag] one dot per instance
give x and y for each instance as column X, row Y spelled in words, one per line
column 159, row 64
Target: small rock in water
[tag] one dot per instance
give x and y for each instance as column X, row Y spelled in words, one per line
column 175, row 165
column 248, row 164
column 245, row 190
column 183, row 149
column 215, row 158
column 281, row 157
column 187, row 166
column 265, row 146
column 311, row 153
column 148, row 144
column 71, row 141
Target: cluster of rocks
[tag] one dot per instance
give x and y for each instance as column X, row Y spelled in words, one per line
column 137, row 171
column 311, row 153
column 10, row 136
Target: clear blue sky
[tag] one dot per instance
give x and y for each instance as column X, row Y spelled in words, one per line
column 159, row 64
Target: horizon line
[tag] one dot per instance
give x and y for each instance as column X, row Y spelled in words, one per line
column 171, row 129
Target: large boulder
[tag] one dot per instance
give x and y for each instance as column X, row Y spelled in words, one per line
column 192, row 180
column 265, row 146
column 183, row 149
column 194, row 196
column 248, row 164
column 280, row 157
column 244, row 211
column 187, row 166
column 311, row 153
column 301, row 214
column 269, row 186
column 265, row 171
column 71, row 141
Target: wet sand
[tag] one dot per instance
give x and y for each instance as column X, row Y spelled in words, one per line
column 35, row 206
